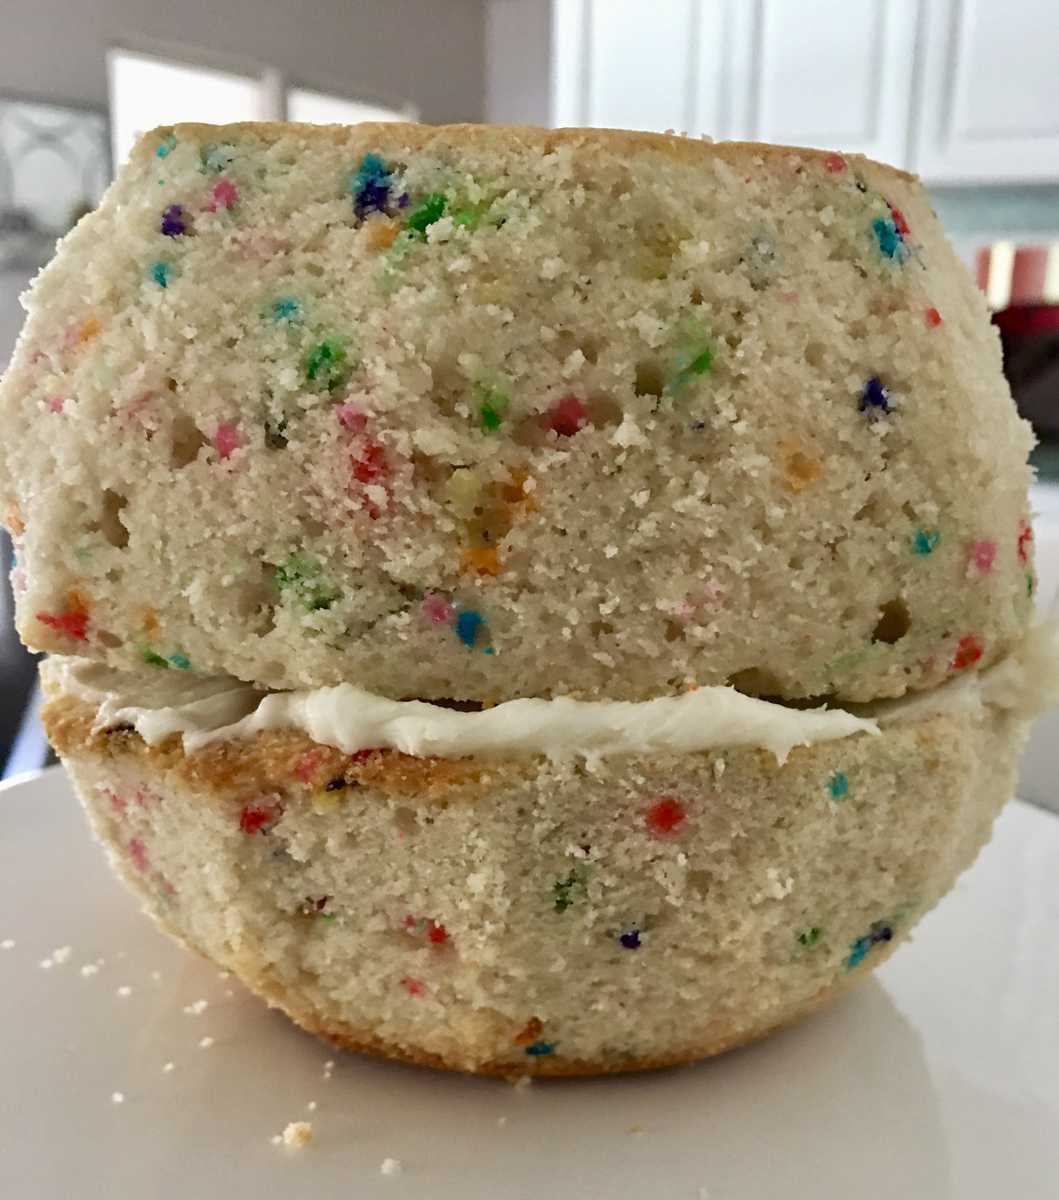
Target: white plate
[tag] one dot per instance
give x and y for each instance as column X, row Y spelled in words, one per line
column 938, row 1079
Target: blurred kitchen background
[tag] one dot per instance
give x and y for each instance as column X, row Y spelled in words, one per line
column 963, row 92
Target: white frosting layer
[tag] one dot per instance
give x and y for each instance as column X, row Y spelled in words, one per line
column 202, row 711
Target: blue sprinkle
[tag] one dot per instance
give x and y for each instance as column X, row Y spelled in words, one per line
column 286, row 308
column 160, row 273
column 874, row 398
column 468, row 624
column 370, row 186
column 879, row 932
column 631, row 939
column 180, row 660
column 891, row 244
column 838, row 785
column 166, row 147
column 925, row 541
column 539, row 1049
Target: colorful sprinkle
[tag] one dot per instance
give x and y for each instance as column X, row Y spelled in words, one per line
column 566, row 416
column 302, row 576
column 835, row 163
column 891, row 244
column 898, row 218
column 56, row 404
column 533, row 1028
column 286, row 309
column 413, row 987
column 981, row 557
column 482, row 560
column 810, row 936
column 1025, row 541
column 174, row 221
column 180, row 660
column 217, row 158
column 493, row 404
column 435, row 933
column 306, row 763
column 540, row 1049
column 879, row 932
column 566, row 891
column 166, row 146
column 227, row 439
column 352, row 418
column 255, row 818
column 630, row 939
column 437, row 609
column 370, row 186
column 431, row 210
column 665, row 816
column 159, row 272
column 152, row 659
column 968, row 651
column 925, row 541
column 469, row 624
column 224, row 196
column 932, row 318
column 138, row 854
column 326, row 364
column 874, row 398
column 73, row 622
column 838, row 785
column 688, row 367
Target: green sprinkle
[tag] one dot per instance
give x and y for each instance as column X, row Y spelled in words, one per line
column 302, row 577
column 180, row 660
column 152, row 659
column 326, row 364
column 326, row 916
column 217, row 158
column 1029, row 585
column 432, row 209
column 286, row 308
column 160, row 273
column 493, row 404
column 838, row 785
column 925, row 541
column 810, row 936
column 166, row 147
column 566, row 891
column 688, row 369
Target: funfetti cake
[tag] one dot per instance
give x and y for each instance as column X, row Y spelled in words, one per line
column 525, row 601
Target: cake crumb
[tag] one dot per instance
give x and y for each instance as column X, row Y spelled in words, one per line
column 124, row 991
column 89, row 969
column 197, row 1008
column 311, row 1106
column 298, row 1134
column 7, row 944
column 390, row 1166
column 501, row 1122
column 206, row 1042
column 46, row 964
column 156, row 976
column 117, row 1097
column 61, row 955
column 167, row 1067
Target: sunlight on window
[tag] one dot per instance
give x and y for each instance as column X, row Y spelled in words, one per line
column 322, row 109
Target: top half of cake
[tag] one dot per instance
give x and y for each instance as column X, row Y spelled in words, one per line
column 482, row 413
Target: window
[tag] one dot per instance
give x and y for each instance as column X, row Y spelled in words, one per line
column 322, row 109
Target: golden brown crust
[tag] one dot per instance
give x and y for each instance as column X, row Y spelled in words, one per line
column 526, row 137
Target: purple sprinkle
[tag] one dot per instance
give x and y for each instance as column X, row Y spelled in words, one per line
column 882, row 933
column 875, row 398
column 173, row 221
column 631, row 939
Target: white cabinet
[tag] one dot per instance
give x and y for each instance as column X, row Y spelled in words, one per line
column 960, row 90
column 990, row 91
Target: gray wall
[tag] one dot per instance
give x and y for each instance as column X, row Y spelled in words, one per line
column 518, row 61
column 428, row 51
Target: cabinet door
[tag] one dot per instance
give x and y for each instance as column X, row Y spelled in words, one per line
column 836, row 74
column 990, row 95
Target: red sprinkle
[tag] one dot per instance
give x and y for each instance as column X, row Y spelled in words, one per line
column 1025, row 538
column 932, row 318
column 983, row 553
column 225, row 194
column 436, row 933
column 138, row 854
column 900, row 224
column 255, row 817
column 968, row 652
column 566, row 416
column 665, row 816
column 73, row 622
column 364, row 755
column 413, row 986
column 835, row 163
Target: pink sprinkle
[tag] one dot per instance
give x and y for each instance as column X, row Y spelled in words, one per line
column 350, row 417
column 789, row 297
column 227, row 439
column 982, row 556
column 835, row 163
column 306, row 764
column 138, row 854
column 55, row 403
column 437, row 609
column 413, row 986
column 117, row 803
column 225, row 195
column 566, row 416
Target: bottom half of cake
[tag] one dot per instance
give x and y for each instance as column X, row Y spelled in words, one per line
column 537, row 915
